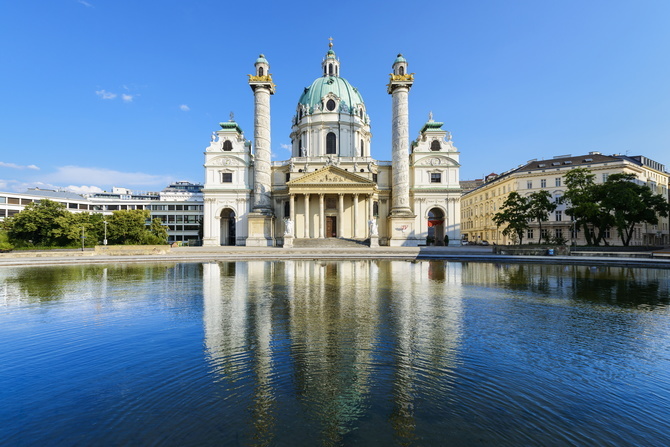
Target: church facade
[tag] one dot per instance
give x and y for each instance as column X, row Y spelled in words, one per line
column 331, row 186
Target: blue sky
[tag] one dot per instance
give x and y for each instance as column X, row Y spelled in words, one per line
column 102, row 93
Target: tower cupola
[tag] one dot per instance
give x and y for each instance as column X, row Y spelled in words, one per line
column 262, row 66
column 400, row 66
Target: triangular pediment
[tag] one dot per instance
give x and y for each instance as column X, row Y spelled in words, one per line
column 331, row 176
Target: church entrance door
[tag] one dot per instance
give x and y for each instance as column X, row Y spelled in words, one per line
column 331, row 226
column 227, row 227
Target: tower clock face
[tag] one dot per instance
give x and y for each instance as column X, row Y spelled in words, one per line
column 330, row 105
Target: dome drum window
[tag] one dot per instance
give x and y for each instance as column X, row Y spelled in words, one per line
column 331, row 143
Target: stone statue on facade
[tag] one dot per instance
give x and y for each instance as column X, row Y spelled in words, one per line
column 374, row 230
column 288, row 227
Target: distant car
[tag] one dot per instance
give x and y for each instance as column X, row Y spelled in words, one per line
column 464, row 242
column 485, row 242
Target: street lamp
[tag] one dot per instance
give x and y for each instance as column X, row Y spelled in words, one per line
column 82, row 238
column 104, row 242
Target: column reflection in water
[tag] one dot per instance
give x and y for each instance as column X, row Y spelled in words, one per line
column 332, row 329
column 329, row 342
column 426, row 328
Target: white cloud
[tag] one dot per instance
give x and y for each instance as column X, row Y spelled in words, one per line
column 104, row 94
column 285, row 146
column 106, row 177
column 21, row 186
column 87, row 4
column 184, row 108
column 84, row 189
column 126, row 97
column 15, row 166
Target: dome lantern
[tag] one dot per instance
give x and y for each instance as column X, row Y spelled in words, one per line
column 331, row 64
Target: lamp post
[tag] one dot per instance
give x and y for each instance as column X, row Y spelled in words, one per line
column 82, row 238
column 104, row 242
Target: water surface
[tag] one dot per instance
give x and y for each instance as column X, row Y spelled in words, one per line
column 334, row 353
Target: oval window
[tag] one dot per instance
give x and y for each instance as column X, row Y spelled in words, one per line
column 330, row 105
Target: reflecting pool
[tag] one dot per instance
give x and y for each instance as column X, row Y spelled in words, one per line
column 334, row 353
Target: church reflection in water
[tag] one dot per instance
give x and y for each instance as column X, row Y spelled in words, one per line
column 333, row 346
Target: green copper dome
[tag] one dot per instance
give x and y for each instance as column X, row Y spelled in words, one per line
column 336, row 85
column 261, row 59
column 400, row 58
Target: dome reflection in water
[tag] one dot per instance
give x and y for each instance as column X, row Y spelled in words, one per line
column 351, row 352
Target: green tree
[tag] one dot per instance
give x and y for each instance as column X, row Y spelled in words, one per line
column 584, row 204
column 538, row 208
column 39, row 224
column 514, row 214
column 631, row 204
column 157, row 234
column 4, row 242
column 129, row 227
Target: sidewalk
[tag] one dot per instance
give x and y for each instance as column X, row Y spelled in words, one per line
column 223, row 254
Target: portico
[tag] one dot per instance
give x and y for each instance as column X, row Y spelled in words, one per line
column 331, row 202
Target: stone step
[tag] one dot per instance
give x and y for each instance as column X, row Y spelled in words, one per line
column 331, row 242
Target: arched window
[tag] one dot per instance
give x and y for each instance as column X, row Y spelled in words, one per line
column 330, row 69
column 435, row 145
column 260, row 71
column 362, row 148
column 227, row 145
column 401, row 70
column 331, row 143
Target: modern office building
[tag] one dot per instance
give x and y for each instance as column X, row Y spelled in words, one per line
column 179, row 206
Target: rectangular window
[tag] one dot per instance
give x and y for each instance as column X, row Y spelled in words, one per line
column 605, row 177
column 559, row 216
column 374, row 178
column 529, row 233
column 558, row 233
column 435, row 177
column 25, row 201
column 14, row 201
column 3, row 213
column 72, row 206
column 529, row 184
column 226, row 177
column 558, row 181
column 170, row 207
column 543, row 183
column 3, row 199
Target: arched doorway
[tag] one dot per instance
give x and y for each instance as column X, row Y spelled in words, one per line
column 436, row 226
column 227, row 227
